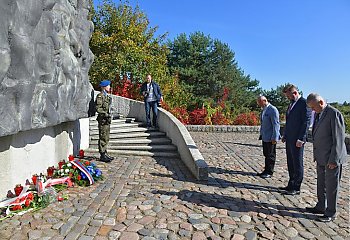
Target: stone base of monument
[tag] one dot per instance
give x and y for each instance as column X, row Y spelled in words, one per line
column 32, row 152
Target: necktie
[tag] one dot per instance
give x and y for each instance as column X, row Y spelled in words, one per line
column 317, row 117
column 290, row 106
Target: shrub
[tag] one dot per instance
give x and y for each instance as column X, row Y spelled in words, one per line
column 248, row 118
column 197, row 116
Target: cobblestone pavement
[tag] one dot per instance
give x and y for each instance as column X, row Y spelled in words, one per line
column 157, row 198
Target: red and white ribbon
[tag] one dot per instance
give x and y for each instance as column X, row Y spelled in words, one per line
column 82, row 168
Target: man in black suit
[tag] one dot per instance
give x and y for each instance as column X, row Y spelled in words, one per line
column 294, row 136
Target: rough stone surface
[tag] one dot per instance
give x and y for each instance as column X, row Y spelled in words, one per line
column 44, row 63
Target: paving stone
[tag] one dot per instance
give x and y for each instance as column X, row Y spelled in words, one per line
column 250, row 235
column 34, row 234
column 184, row 233
column 95, row 223
column 199, row 236
column 84, row 237
column 145, row 232
column 306, row 235
column 134, row 227
column 267, row 235
column 92, row 231
column 237, row 237
column 291, row 232
column 73, row 235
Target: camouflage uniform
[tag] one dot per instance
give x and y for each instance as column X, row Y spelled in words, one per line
column 103, row 103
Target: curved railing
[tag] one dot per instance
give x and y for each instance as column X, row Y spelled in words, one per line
column 174, row 129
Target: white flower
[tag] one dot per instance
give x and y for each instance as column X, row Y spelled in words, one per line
column 67, row 170
column 69, row 164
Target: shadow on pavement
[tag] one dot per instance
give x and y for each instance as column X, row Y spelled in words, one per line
column 237, row 204
column 221, row 183
column 218, row 170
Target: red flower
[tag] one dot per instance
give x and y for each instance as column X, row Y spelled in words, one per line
column 60, row 164
column 81, row 153
column 79, row 177
column 87, row 163
column 34, row 177
column 16, row 207
column 30, row 196
column 27, row 202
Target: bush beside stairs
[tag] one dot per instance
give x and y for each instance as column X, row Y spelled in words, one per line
column 131, row 138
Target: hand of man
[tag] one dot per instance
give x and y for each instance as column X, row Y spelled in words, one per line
column 299, row 143
column 283, row 140
column 273, row 142
column 332, row 165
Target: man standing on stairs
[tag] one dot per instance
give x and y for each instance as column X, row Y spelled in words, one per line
column 104, row 119
column 150, row 90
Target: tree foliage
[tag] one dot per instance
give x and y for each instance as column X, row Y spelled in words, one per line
column 206, row 66
column 277, row 98
column 124, row 44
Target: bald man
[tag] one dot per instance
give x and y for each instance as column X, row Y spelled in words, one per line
column 269, row 134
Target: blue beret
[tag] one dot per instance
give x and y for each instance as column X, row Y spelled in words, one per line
column 105, row 83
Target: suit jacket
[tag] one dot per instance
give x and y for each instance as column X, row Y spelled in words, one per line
column 297, row 122
column 270, row 124
column 329, row 138
column 156, row 90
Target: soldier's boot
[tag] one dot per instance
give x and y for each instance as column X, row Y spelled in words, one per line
column 109, row 157
column 103, row 158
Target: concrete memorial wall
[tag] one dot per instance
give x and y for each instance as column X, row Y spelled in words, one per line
column 44, row 63
column 44, row 84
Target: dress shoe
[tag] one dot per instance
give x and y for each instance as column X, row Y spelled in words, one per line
column 109, row 157
column 265, row 175
column 325, row 219
column 291, row 192
column 314, row 210
column 284, row 188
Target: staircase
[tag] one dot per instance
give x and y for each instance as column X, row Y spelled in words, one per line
column 131, row 138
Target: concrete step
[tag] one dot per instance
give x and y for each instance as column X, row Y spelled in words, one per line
column 119, row 125
column 137, row 141
column 112, row 152
column 151, row 148
column 94, row 122
column 125, row 130
column 145, row 135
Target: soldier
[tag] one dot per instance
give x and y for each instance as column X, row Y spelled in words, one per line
column 103, row 103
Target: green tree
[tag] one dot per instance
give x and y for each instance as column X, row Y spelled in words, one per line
column 277, row 98
column 206, row 66
column 124, row 44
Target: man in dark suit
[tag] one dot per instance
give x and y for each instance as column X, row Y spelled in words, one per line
column 329, row 150
column 294, row 136
column 269, row 134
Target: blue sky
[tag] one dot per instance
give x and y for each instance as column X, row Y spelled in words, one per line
column 305, row 42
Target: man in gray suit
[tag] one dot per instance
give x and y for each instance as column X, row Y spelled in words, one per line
column 329, row 150
column 269, row 134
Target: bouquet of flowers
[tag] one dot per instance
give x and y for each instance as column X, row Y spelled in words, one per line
column 79, row 171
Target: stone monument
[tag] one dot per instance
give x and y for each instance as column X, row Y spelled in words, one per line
column 44, row 85
column 44, row 63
